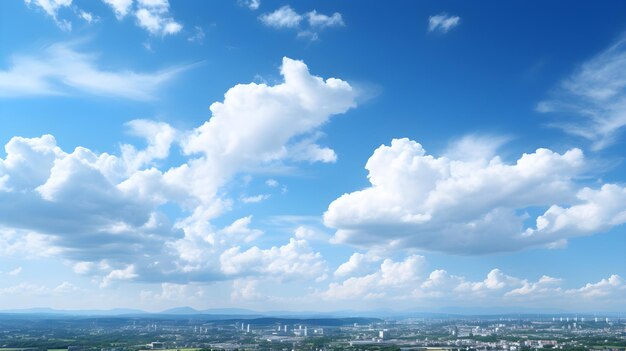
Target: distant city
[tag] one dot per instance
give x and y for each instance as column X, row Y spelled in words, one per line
column 188, row 331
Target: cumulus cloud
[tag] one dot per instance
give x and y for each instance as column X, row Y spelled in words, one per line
column 127, row 273
column 356, row 264
column 295, row 259
column 391, row 278
column 103, row 212
column 442, row 22
column 153, row 16
column 284, row 17
column 596, row 95
column 60, row 69
column 307, row 25
column 421, row 201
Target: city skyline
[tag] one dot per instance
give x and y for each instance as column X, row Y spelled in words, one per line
column 319, row 156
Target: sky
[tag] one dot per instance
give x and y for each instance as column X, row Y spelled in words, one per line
column 313, row 156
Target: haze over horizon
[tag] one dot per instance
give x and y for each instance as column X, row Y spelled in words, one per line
column 313, row 156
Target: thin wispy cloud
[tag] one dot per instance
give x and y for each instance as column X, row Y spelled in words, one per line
column 593, row 98
column 443, row 22
column 61, row 69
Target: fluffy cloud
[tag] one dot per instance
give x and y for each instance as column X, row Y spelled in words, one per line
column 127, row 273
column 421, row 201
column 287, row 17
column 103, row 212
column 284, row 17
column 388, row 281
column 595, row 94
column 62, row 70
column 295, row 259
column 499, row 288
column 357, row 263
column 153, row 16
column 442, row 22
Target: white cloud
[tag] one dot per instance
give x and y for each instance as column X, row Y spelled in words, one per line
column 357, row 264
column 151, row 15
column 390, row 280
column 88, row 17
column 121, row 7
column 272, row 183
column 15, row 272
column 320, row 20
column 442, row 22
column 499, row 289
column 421, row 201
column 62, row 70
column 596, row 95
column 251, row 4
column 102, row 212
column 240, row 231
column 284, row 17
column 287, row 18
column 245, row 290
column 255, row 198
column 290, row 261
column 606, row 288
column 51, row 8
column 127, row 273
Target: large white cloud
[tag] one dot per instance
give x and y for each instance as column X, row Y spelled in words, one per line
column 472, row 206
column 103, row 211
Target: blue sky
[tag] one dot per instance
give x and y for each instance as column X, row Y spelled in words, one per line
column 312, row 156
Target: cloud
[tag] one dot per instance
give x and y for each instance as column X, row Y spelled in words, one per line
column 88, row 17
column 198, row 36
column 127, row 273
column 287, row 18
column 120, row 7
column 255, row 198
column 319, row 20
column 420, row 201
column 29, row 289
column 62, row 70
column 15, row 272
column 442, row 22
column 51, row 8
column 391, row 278
column 251, row 4
column 596, row 94
column 284, row 17
column 293, row 260
column 356, row 264
column 110, row 214
column 153, row 16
